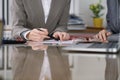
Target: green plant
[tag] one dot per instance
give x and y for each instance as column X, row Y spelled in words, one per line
column 96, row 9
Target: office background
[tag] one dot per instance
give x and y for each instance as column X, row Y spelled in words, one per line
column 78, row 7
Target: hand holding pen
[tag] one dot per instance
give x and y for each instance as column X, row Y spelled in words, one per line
column 62, row 36
column 49, row 35
column 37, row 35
column 40, row 34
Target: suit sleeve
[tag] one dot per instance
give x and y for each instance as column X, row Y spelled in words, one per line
column 62, row 24
column 108, row 23
column 108, row 17
column 19, row 18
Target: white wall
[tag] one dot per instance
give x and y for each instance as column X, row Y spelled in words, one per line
column 82, row 9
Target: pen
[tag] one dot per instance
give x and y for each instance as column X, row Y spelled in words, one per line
column 50, row 35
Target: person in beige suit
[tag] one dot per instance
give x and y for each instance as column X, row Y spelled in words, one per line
column 50, row 17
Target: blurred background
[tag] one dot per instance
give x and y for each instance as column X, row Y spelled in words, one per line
column 78, row 7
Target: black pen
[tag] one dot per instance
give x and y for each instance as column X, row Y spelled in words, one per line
column 50, row 35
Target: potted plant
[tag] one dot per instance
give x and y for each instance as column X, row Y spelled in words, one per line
column 96, row 9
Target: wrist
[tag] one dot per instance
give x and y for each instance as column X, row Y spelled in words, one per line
column 25, row 34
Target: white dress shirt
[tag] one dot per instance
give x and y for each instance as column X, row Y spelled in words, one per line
column 46, row 7
column 45, row 71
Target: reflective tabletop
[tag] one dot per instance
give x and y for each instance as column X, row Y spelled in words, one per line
column 36, row 61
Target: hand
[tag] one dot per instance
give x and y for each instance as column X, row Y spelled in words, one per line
column 61, row 35
column 102, row 35
column 37, row 35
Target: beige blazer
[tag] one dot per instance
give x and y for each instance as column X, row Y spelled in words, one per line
column 29, row 14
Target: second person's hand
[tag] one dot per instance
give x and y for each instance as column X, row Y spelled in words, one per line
column 102, row 35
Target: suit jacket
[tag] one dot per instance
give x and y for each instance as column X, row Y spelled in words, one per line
column 113, row 16
column 29, row 14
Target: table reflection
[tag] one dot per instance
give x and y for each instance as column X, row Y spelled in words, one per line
column 111, row 71
column 42, row 62
column 36, row 46
column 87, row 66
column 39, row 62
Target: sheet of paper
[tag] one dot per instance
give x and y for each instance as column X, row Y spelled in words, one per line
column 59, row 42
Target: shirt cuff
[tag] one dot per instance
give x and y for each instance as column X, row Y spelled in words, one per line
column 25, row 35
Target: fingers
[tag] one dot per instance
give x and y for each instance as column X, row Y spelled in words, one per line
column 40, row 34
column 37, row 35
column 109, row 33
column 62, row 36
column 43, row 31
column 102, row 35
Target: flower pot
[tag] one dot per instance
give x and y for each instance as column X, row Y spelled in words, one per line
column 98, row 22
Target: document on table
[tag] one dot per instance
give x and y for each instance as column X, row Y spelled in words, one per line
column 52, row 43
column 62, row 43
column 59, row 42
column 69, row 41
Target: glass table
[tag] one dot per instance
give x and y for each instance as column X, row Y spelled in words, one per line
column 36, row 61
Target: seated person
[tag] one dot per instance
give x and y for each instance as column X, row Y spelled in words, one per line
column 113, row 21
